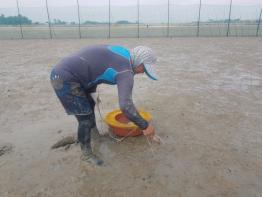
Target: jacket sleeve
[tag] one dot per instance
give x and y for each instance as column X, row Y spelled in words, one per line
column 125, row 85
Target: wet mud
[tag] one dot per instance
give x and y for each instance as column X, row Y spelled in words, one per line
column 206, row 106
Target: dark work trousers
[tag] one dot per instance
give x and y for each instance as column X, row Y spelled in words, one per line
column 86, row 123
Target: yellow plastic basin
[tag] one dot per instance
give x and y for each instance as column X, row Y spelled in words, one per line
column 121, row 126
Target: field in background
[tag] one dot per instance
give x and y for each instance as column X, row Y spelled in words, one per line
column 117, row 19
column 118, row 31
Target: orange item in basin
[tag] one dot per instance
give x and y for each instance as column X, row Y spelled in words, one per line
column 121, row 126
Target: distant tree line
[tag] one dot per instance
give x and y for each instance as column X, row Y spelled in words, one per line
column 93, row 23
column 14, row 20
column 59, row 22
column 237, row 20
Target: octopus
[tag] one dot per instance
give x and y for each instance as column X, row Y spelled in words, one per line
column 65, row 142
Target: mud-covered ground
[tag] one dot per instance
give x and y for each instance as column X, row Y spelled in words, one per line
column 206, row 107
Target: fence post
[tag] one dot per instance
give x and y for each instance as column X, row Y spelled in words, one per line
column 19, row 16
column 79, row 19
column 168, row 18
column 198, row 22
column 229, row 18
column 138, row 18
column 49, row 25
column 109, row 21
column 259, row 21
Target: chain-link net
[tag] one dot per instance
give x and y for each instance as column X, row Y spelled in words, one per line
column 28, row 19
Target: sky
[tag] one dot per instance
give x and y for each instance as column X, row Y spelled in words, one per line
column 150, row 10
column 59, row 3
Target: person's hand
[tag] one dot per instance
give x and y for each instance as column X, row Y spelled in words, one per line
column 149, row 131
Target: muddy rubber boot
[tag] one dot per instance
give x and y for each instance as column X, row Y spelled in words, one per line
column 89, row 157
column 95, row 130
column 95, row 133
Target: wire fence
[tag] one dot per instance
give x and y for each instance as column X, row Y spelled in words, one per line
column 132, row 18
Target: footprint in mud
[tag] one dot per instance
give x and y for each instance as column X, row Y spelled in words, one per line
column 5, row 148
